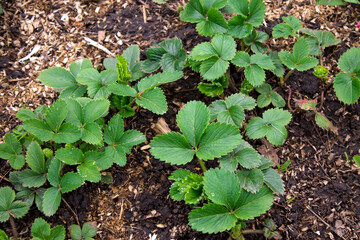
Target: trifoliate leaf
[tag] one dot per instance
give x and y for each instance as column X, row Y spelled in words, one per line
column 68, row 133
column 11, row 150
column 225, row 46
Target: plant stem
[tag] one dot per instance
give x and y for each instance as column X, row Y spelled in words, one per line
column 242, row 45
column 71, row 210
column 231, row 81
column 202, row 165
column 13, row 227
column 282, row 80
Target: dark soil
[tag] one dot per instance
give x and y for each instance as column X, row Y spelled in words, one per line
column 322, row 198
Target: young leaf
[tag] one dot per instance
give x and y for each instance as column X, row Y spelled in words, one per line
column 11, row 150
column 40, row 230
column 87, row 232
column 289, row 28
column 35, row 158
column 267, row 96
column 324, row 123
column 272, row 125
column 254, row 11
column 347, row 85
column 211, row 218
column 319, row 40
column 77, row 66
column 214, row 24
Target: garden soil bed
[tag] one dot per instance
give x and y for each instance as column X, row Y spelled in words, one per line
column 322, row 196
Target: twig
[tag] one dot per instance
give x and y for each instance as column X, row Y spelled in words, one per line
column 18, row 79
column 322, row 220
column 144, row 13
column 322, row 100
column 121, row 209
column 99, row 46
column 4, row 178
column 72, row 211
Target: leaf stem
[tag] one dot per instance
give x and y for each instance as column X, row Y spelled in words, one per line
column 13, row 227
column 202, row 165
column 282, row 80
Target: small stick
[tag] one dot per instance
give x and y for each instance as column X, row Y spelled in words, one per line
column 4, row 178
column 322, row 100
column 121, row 209
column 322, row 220
column 67, row 204
column 99, row 46
column 144, row 13
column 18, row 79
column 289, row 100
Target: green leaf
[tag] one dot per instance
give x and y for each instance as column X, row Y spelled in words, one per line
column 250, row 180
column 38, row 128
column 330, row 2
column 241, row 100
column 70, row 181
column 203, row 51
column 114, row 130
column 241, row 7
column 255, row 75
column 18, row 209
column 288, row 59
column 193, row 12
column 91, row 133
column 57, row 233
column 75, row 232
column 251, row 205
column 244, row 154
column 98, row 83
column 173, row 63
column 68, row 133
column 57, row 77
column 132, row 55
column 192, row 121
column 225, row 46
column 56, row 114
column 210, row 89
column 116, row 154
column 349, row 61
column 172, row 148
column 11, row 148
column 77, row 66
column 122, row 90
column 267, row 95
column 73, row 91
column 211, row 218
column 101, row 159
column 214, row 24
column 51, row 201
column 30, row 178
column 294, row 22
column 70, row 155
column 215, row 108
column 153, row 100
column 256, row 12
column 324, row 123
column 277, row 116
column 238, row 28
column 88, row 230
column 234, row 116
column 357, row 159
column 35, row 158
column 273, row 180
column 301, row 49
column 150, row 66
column 217, row 4
column 7, row 196
column 89, row 171
column 279, row 69
column 155, row 53
column 241, row 59
column 218, row 140
column 256, row 128
column 122, row 74
column 172, row 46
column 95, row 109
column 17, row 162
column 40, row 229
column 347, row 88
column 158, row 79
column 262, row 61
column 282, row 30
column 213, row 68
column 307, row 63
column 53, row 175
column 3, row 235
column 129, row 139
column 222, row 187
column 25, row 114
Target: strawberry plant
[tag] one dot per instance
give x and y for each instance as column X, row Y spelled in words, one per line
column 169, row 55
column 231, row 110
column 87, row 232
column 271, row 125
column 267, row 96
column 347, row 83
column 112, row 83
column 10, row 209
column 298, row 60
column 40, row 230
